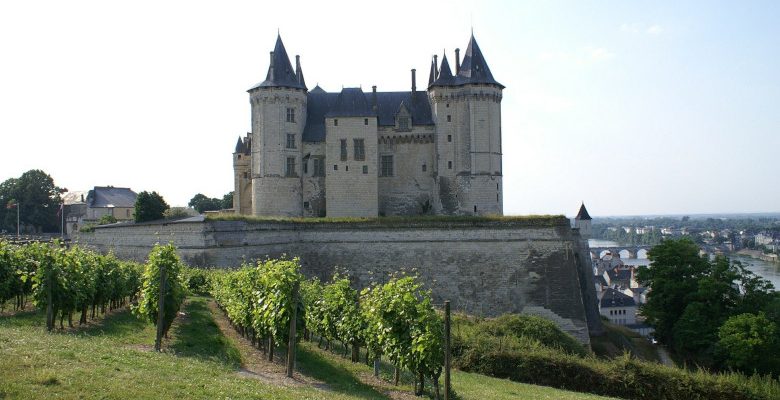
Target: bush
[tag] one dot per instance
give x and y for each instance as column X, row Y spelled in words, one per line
column 623, row 377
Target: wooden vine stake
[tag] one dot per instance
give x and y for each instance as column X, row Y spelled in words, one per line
column 291, row 343
column 447, row 354
column 160, row 311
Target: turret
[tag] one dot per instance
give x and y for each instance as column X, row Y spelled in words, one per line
column 467, row 111
column 278, row 118
column 583, row 222
column 242, row 175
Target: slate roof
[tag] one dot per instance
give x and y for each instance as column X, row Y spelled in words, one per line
column 473, row 69
column 109, row 196
column 583, row 213
column 244, row 145
column 280, row 71
column 353, row 102
column 623, row 275
column 613, row 298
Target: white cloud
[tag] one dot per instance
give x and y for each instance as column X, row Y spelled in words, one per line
column 639, row 28
column 655, row 30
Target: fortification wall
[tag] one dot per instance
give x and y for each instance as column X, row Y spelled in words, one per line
column 486, row 268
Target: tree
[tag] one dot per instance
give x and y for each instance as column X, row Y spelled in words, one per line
column 149, row 207
column 201, row 203
column 37, row 197
column 750, row 343
column 227, row 201
column 673, row 280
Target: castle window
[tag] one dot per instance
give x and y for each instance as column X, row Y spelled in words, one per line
column 403, row 123
column 365, row 121
column 335, row 167
column 290, row 114
column 306, row 204
column 449, row 118
column 290, row 168
column 449, row 138
column 290, row 140
column 319, row 167
column 360, row 149
column 386, row 166
column 305, row 167
column 449, row 164
column 335, row 122
column 346, row 168
column 475, row 209
column 448, row 105
column 365, row 169
column 424, row 168
column 343, row 149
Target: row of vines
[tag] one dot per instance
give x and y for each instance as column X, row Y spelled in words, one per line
column 395, row 320
column 64, row 281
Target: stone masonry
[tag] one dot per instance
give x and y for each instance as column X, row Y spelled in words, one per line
column 485, row 268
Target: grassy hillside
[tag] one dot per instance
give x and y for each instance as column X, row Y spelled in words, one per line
column 113, row 359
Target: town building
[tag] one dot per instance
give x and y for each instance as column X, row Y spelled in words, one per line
column 619, row 308
column 434, row 150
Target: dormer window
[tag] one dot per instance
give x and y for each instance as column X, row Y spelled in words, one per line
column 403, row 123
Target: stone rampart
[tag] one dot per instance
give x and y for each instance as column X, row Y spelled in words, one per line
column 484, row 267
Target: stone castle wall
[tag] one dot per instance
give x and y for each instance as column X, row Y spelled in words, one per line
column 485, row 268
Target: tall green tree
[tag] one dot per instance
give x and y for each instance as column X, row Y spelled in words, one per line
column 37, row 197
column 149, row 207
column 676, row 268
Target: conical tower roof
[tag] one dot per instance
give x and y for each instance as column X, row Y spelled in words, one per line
column 280, row 72
column 583, row 213
column 445, row 74
column 474, row 68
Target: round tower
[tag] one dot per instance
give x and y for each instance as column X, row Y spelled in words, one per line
column 278, row 120
column 467, row 112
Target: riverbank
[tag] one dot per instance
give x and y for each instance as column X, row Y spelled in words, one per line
column 759, row 255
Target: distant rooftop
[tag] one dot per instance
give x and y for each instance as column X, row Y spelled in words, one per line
column 109, row 196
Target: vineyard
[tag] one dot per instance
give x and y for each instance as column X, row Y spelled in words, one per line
column 395, row 320
column 65, row 281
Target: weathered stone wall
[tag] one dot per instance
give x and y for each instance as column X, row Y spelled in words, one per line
column 486, row 268
column 351, row 189
column 411, row 185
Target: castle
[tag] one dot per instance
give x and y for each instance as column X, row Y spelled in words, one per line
column 357, row 154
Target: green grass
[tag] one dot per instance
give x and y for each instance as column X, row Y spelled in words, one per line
column 530, row 220
column 618, row 339
column 113, row 360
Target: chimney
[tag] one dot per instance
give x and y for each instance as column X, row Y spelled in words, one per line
column 414, row 80
column 436, row 64
column 373, row 98
column 457, row 61
column 271, row 67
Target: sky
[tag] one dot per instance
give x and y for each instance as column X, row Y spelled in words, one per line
column 661, row 107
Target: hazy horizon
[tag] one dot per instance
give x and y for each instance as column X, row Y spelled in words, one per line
column 635, row 109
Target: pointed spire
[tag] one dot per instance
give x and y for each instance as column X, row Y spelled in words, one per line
column 299, row 71
column 583, row 213
column 474, row 68
column 280, row 71
column 239, row 146
column 445, row 74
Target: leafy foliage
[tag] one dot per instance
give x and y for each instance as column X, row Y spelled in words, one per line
column 149, row 207
column 37, row 197
column 68, row 280
column 750, row 342
column 691, row 299
column 161, row 258
column 107, row 219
